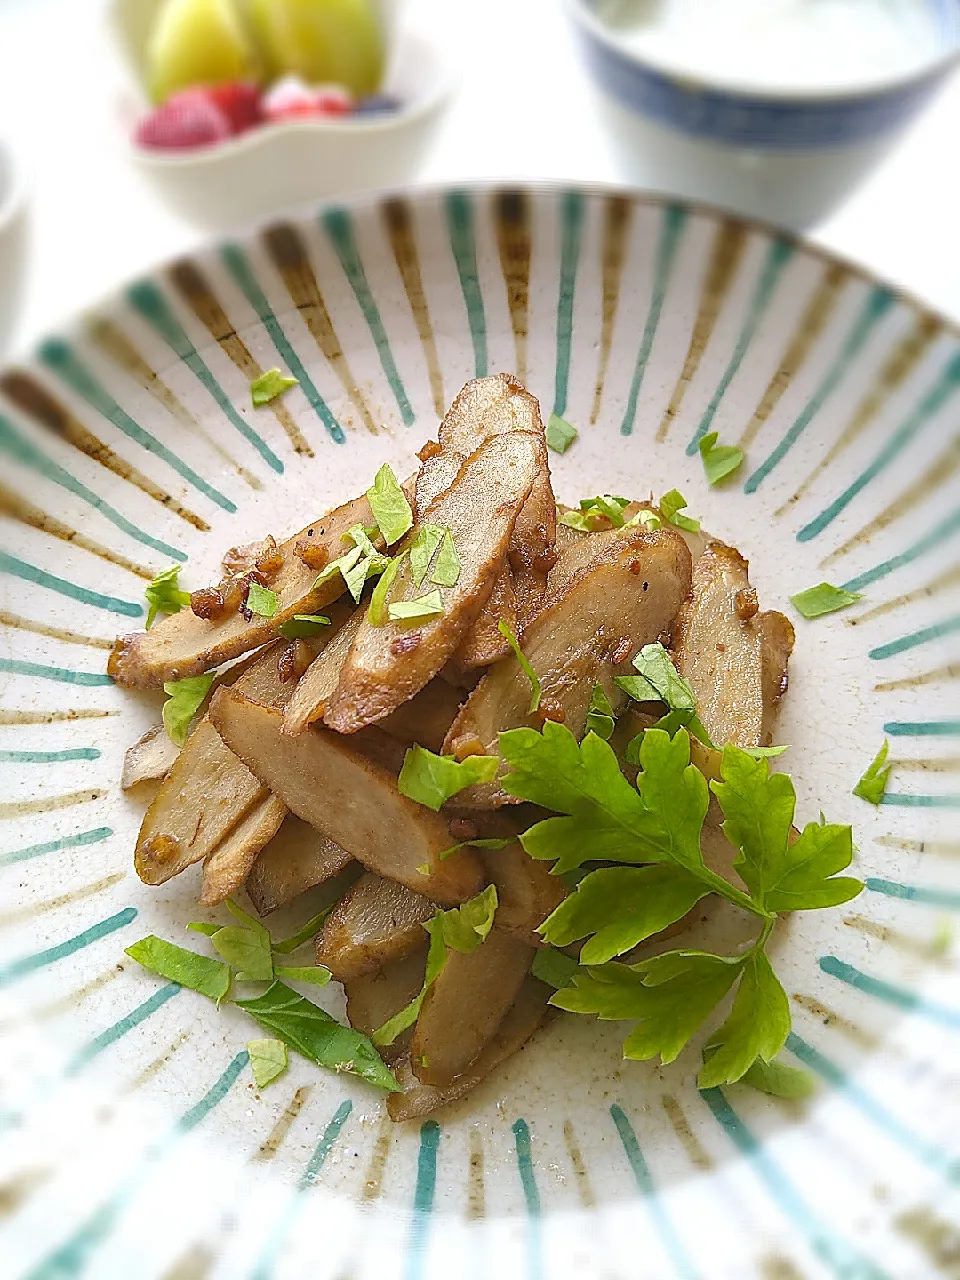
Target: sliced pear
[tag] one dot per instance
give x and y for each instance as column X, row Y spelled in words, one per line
column 322, row 41
column 298, row 858
column 353, row 801
column 197, row 42
column 465, row 1005
column 374, row 923
column 389, row 664
column 622, row 598
column 518, row 1025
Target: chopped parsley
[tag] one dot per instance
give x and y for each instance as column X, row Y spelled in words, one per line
column 719, row 460
column 873, row 785
column 377, row 612
column 262, row 601
column 672, row 505
column 817, row 601
column 525, row 666
column 600, row 717
column 269, row 385
column 432, row 780
column 560, row 435
column 389, row 505
column 303, row 625
column 164, row 595
column 198, row 973
column 268, row 1059
column 446, row 571
column 184, row 698
column 425, row 542
column 428, row 606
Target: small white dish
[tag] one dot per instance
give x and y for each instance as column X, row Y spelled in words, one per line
column 13, row 242
column 279, row 166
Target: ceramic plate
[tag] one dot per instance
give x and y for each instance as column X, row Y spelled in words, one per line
column 133, row 1142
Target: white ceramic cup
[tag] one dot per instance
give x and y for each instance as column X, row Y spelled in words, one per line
column 13, row 243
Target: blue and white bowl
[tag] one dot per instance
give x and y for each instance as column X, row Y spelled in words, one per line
column 785, row 154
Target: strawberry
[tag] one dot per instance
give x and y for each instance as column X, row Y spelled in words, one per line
column 188, row 119
column 292, row 99
column 240, row 103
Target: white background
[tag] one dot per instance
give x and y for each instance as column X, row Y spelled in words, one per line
column 525, row 109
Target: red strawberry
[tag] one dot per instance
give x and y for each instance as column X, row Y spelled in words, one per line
column 188, row 119
column 240, row 103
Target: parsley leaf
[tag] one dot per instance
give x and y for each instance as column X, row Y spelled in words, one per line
column 431, row 779
column 873, row 785
column 669, row 996
column 593, row 511
column 268, row 386
column 649, row 519
column 425, row 542
column 184, row 698
column 757, row 1027
column 247, row 950
column 446, row 572
column 491, row 842
column 268, row 1059
column 781, row 875
column 315, row 974
column 428, row 606
column 600, row 717
column 261, row 601
column 671, row 508
column 303, row 625
column 377, row 612
column 304, row 934
column 525, row 666
column 553, row 967
column 621, row 906
column 719, row 460
column 164, row 595
column 389, row 505
column 560, row 435
column 658, row 681
column 211, row 978
column 312, row 1032
column 779, row 1080
column 759, row 753
column 817, row 601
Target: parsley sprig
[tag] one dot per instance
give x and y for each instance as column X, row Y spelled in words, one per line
column 651, row 833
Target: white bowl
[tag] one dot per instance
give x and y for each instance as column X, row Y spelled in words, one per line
column 787, row 155
column 280, row 166
column 13, row 243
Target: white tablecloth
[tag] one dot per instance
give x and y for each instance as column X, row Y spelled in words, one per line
column 525, row 110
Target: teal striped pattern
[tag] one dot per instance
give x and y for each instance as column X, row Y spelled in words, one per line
column 17, row 969
column 78, row 841
column 930, row 405
column 889, row 993
column 641, row 1173
column 531, row 1197
column 893, row 648
column 914, row 893
column 82, row 595
column 149, row 302
column 236, row 263
column 777, row 257
column 123, row 1026
column 59, row 357
column 459, row 211
column 878, row 303
column 927, row 1152
column 922, row 728
column 840, row 1259
column 904, row 800
column 571, row 224
column 271, row 1251
column 929, row 542
column 339, row 227
column 423, row 1198
column 17, row 446
column 674, row 221
column 49, row 757
column 62, row 675
column 69, row 1260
